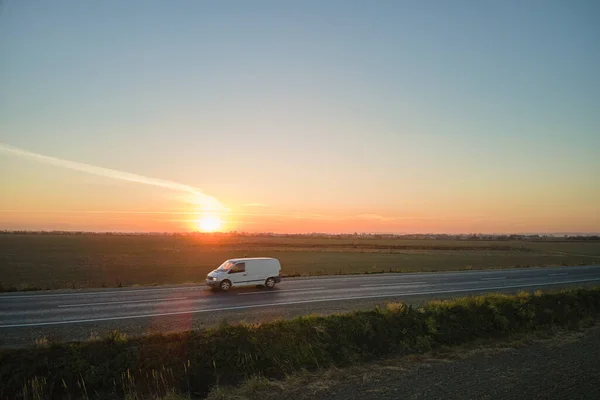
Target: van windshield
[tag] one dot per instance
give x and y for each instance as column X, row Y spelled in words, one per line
column 226, row 266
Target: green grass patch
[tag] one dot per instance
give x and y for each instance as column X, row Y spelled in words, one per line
column 192, row 363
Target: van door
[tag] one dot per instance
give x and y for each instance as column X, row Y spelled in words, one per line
column 237, row 274
column 254, row 268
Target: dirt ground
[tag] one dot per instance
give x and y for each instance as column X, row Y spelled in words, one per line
column 563, row 366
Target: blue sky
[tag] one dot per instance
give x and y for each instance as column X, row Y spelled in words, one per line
column 464, row 109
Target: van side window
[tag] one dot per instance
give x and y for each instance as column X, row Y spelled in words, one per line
column 239, row 267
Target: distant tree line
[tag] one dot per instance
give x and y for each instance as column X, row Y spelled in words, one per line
column 470, row 237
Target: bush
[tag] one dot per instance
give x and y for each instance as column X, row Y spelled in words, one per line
column 192, row 362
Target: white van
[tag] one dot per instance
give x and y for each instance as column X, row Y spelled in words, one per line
column 245, row 272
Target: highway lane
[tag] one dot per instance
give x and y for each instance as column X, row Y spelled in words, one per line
column 70, row 314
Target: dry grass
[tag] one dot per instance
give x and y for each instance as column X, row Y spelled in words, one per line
column 42, row 342
column 306, row 384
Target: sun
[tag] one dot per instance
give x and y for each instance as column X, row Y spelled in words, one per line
column 209, row 223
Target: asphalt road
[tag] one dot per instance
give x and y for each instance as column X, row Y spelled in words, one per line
column 75, row 315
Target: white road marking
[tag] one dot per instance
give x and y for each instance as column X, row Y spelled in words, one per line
column 399, row 284
column 290, row 303
column 559, row 274
column 123, row 302
column 393, row 275
column 493, row 279
column 281, row 290
column 390, row 287
column 108, row 292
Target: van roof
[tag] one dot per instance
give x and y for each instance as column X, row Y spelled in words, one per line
column 251, row 258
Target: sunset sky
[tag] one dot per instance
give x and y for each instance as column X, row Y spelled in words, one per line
column 300, row 116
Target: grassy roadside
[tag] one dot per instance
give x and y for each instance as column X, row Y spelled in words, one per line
column 27, row 287
column 194, row 362
column 321, row 383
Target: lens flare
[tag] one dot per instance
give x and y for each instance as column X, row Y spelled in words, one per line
column 209, row 223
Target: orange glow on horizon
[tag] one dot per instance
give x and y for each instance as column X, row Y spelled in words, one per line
column 209, row 223
column 324, row 220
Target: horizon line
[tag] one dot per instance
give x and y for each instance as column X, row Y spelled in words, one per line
column 43, row 231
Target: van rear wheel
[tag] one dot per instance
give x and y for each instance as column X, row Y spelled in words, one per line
column 270, row 283
column 225, row 285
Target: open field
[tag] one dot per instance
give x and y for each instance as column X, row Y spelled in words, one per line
column 80, row 261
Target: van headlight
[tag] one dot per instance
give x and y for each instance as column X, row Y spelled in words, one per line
column 211, row 278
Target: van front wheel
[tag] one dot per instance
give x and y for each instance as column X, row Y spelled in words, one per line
column 225, row 285
column 270, row 283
